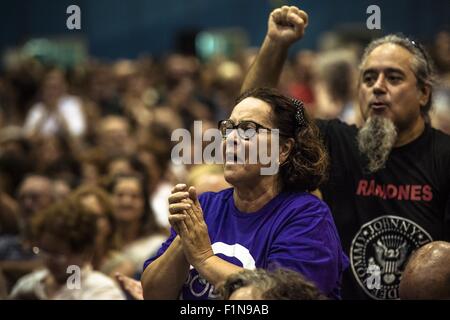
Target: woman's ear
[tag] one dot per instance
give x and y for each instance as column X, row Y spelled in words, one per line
column 285, row 149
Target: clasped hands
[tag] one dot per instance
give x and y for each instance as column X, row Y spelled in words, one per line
column 186, row 218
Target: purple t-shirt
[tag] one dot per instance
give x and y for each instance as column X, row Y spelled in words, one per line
column 293, row 230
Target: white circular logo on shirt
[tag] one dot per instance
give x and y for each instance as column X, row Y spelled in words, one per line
column 236, row 250
column 379, row 252
column 199, row 286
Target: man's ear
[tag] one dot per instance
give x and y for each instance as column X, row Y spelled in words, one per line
column 425, row 95
column 285, row 149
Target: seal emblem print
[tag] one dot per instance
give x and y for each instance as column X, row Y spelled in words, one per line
column 379, row 252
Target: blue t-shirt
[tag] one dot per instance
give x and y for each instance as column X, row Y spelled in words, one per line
column 293, row 230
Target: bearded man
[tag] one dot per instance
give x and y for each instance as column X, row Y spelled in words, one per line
column 389, row 184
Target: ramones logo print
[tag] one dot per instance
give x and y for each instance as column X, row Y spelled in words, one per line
column 379, row 252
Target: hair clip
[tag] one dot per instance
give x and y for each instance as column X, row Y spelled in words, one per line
column 299, row 113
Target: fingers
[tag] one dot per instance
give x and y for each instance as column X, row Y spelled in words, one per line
column 280, row 15
column 290, row 16
column 183, row 229
column 196, row 213
column 178, row 197
column 196, row 210
column 130, row 285
column 277, row 15
column 176, row 219
column 184, row 208
column 175, row 208
column 179, row 187
column 193, row 195
column 297, row 23
column 123, row 280
column 295, row 20
column 300, row 13
column 285, row 11
column 193, row 216
column 190, row 219
column 181, row 191
column 119, row 277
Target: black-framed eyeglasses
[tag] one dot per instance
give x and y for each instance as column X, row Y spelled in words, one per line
column 246, row 129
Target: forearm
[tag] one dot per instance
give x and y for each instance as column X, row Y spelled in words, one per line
column 266, row 69
column 216, row 270
column 165, row 276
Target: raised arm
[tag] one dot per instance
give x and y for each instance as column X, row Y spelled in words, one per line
column 285, row 26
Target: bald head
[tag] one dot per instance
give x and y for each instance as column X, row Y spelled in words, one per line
column 427, row 274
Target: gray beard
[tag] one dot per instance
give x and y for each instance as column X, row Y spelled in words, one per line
column 376, row 138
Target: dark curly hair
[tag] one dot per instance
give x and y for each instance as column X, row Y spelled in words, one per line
column 281, row 284
column 306, row 166
column 69, row 222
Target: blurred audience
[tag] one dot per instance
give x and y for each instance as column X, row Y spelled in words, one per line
column 139, row 236
column 16, row 257
column 207, row 178
column 57, row 111
column 16, row 158
column 107, row 258
column 335, row 76
column 9, row 215
column 66, row 234
column 301, row 88
column 114, row 137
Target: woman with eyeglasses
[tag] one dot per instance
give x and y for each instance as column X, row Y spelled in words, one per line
column 267, row 221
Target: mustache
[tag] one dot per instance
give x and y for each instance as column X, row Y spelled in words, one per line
column 376, row 139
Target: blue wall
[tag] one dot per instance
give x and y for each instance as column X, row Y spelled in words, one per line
column 118, row 28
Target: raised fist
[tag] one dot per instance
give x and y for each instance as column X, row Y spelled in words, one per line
column 287, row 25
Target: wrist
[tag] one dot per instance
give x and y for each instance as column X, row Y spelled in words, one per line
column 272, row 43
column 177, row 242
column 179, row 250
column 204, row 260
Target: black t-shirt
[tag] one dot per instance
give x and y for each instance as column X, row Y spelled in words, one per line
column 383, row 217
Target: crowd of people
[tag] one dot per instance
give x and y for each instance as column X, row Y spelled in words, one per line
column 86, row 177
